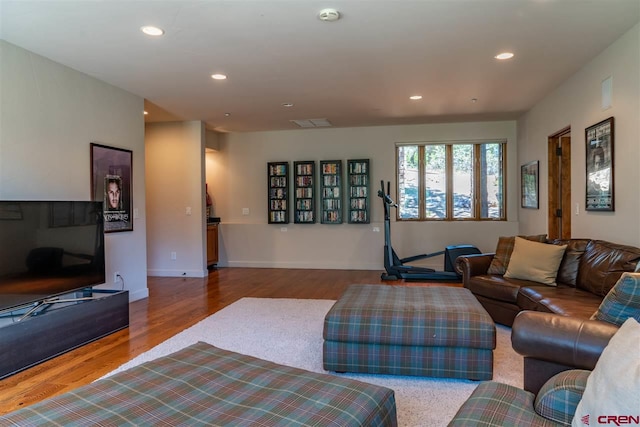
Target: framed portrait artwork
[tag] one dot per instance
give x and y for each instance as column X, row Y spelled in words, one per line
column 599, row 166
column 530, row 182
column 111, row 172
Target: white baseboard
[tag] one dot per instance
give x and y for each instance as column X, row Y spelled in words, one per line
column 139, row 294
column 303, row 265
column 178, row 273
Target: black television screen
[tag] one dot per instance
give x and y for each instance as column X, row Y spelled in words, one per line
column 49, row 248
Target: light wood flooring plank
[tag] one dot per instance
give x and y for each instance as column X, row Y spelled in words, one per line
column 173, row 305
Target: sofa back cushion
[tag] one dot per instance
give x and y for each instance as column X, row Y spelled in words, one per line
column 500, row 261
column 602, row 265
column 568, row 271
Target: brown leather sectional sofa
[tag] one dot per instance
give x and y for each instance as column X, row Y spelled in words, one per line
column 551, row 343
column 553, row 330
column 588, row 271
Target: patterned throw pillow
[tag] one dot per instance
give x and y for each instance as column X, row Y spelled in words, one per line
column 558, row 398
column 622, row 301
column 504, row 249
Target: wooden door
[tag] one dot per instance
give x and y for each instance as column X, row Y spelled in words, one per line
column 559, row 214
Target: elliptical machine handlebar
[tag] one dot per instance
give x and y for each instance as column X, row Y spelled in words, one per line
column 386, row 198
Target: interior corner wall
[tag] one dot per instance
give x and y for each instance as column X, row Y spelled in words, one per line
column 577, row 103
column 240, row 181
column 49, row 114
column 175, row 184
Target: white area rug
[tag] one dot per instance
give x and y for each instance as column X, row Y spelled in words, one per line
column 289, row 332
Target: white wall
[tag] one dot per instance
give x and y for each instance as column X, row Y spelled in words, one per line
column 175, row 182
column 49, row 114
column 577, row 103
column 239, row 181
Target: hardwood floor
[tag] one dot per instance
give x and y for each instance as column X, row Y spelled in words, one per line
column 173, row 305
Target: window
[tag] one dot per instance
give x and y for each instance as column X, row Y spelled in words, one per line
column 451, row 181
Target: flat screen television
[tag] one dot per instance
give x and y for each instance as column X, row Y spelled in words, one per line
column 49, row 248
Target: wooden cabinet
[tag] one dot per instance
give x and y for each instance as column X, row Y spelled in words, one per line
column 60, row 328
column 212, row 244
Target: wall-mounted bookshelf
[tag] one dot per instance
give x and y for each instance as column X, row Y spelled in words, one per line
column 304, row 186
column 278, row 176
column 358, row 192
column 331, row 191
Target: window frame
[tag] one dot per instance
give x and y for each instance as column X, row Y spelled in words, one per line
column 449, row 179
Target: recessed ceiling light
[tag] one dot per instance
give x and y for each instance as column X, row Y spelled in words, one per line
column 287, row 104
column 504, row 55
column 145, row 112
column 415, row 97
column 218, row 77
column 150, row 30
column 474, row 100
column 227, row 114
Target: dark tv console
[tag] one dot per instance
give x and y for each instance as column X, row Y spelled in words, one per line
column 32, row 334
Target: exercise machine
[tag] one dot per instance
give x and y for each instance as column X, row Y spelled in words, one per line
column 396, row 268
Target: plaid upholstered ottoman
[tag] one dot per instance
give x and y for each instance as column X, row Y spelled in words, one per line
column 400, row 330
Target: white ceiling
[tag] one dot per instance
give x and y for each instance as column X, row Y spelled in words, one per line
column 358, row 71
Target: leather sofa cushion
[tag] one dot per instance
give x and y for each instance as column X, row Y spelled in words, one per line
column 496, row 287
column 568, row 271
column 563, row 299
column 602, row 265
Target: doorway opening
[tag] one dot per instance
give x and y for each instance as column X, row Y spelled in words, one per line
column 559, row 215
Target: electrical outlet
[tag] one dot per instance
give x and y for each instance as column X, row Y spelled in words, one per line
column 174, row 256
column 245, row 211
column 116, row 276
column 376, row 229
column 283, row 229
column 188, row 210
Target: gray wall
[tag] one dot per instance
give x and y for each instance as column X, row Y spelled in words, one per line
column 577, row 103
column 175, row 183
column 237, row 179
column 49, row 115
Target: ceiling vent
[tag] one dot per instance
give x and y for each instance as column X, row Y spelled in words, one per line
column 329, row 15
column 312, row 123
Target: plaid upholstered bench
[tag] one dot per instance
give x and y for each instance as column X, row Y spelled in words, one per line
column 202, row 385
column 400, row 330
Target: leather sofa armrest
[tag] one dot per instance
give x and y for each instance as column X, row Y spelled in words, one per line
column 473, row 265
column 559, row 339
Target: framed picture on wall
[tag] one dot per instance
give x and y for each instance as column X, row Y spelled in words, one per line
column 529, row 183
column 111, row 172
column 599, row 166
